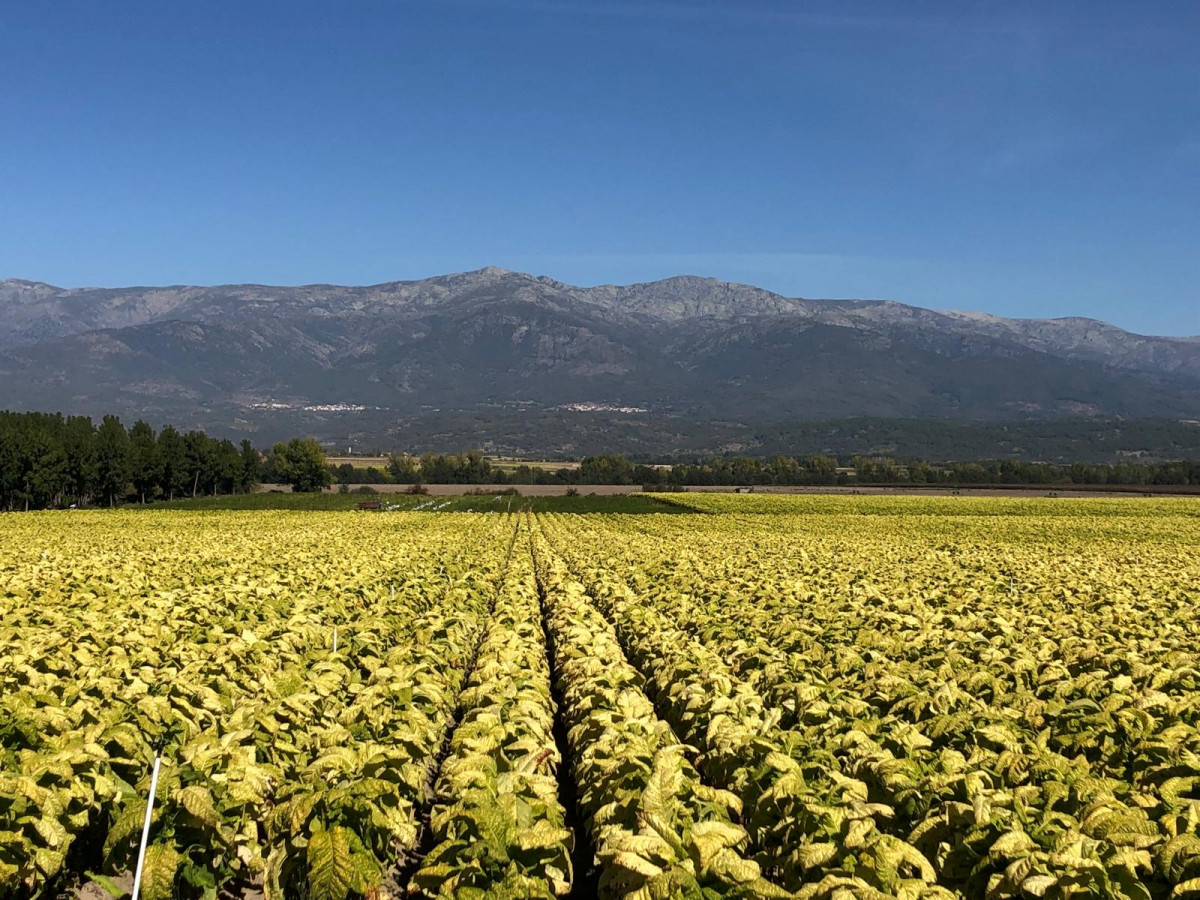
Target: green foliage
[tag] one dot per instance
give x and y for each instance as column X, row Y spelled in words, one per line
column 1002, row 707
column 498, row 825
column 52, row 461
column 271, row 738
column 145, row 460
column 658, row 831
column 112, row 459
column 301, row 463
column 828, row 698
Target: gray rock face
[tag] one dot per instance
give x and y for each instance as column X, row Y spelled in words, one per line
column 491, row 338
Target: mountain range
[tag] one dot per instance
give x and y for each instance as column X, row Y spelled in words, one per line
column 368, row 363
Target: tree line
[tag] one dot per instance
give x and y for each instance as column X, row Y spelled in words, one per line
column 816, row 469
column 824, row 469
column 50, row 460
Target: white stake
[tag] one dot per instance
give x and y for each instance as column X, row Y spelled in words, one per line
column 335, row 639
column 393, row 593
column 137, row 878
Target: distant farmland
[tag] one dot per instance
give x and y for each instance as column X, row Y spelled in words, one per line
column 359, row 462
column 506, row 463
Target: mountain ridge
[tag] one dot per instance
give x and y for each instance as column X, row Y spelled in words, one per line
column 690, row 283
column 474, row 342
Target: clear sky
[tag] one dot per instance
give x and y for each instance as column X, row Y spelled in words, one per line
column 1032, row 159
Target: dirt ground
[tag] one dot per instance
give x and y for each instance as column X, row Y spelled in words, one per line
column 554, row 490
column 527, row 490
column 939, row 491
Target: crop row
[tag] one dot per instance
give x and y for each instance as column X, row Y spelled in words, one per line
column 498, row 826
column 1002, row 791
column 855, row 704
column 282, row 755
column 656, row 828
column 807, row 822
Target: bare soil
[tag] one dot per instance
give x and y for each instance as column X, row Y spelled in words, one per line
column 555, row 490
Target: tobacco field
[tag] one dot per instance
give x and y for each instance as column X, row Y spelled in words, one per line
column 850, row 698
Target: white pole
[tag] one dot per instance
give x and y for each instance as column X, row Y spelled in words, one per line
column 335, row 639
column 393, row 594
column 137, row 878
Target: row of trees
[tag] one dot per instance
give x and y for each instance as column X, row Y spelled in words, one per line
column 474, row 468
column 884, row 470
column 823, row 469
column 54, row 461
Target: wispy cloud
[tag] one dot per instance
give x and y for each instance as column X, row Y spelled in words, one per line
column 721, row 13
column 1187, row 150
column 1019, row 152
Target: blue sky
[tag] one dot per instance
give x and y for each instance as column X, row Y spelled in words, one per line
column 1032, row 159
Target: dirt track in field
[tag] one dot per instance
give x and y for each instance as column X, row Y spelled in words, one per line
column 555, row 490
